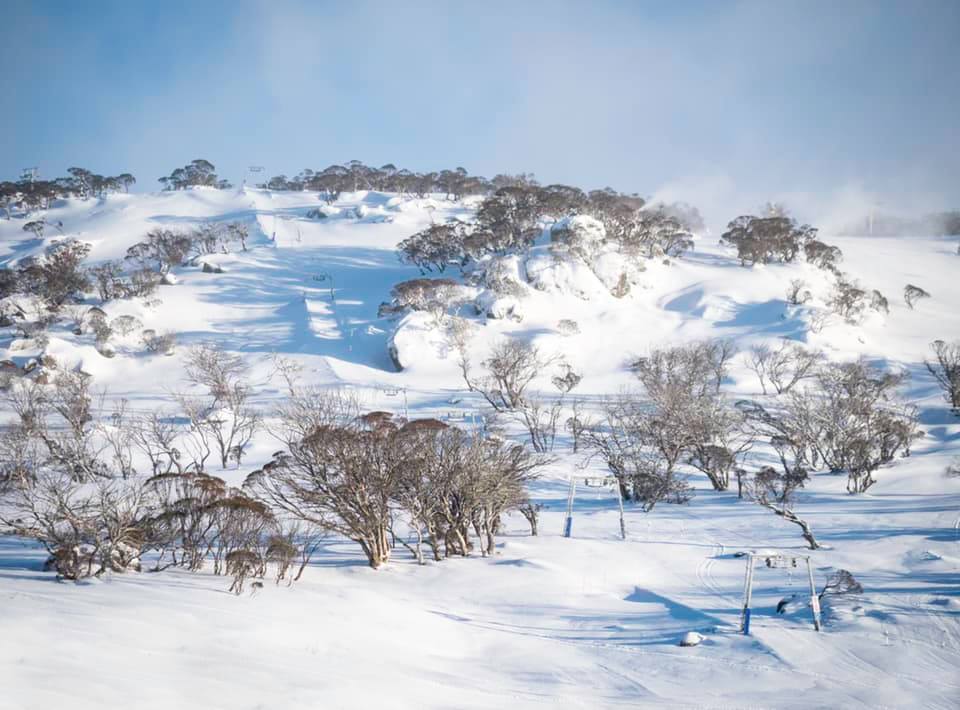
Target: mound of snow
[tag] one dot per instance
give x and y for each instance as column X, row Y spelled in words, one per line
column 612, row 266
column 494, row 305
column 548, row 272
column 581, row 232
column 416, row 340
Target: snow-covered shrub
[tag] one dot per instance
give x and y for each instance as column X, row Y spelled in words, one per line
column 848, row 299
column 641, row 447
column 581, row 235
column 840, row 582
column 762, row 240
column 504, row 276
column 436, row 247
column 125, row 324
column 821, row 255
column 441, row 483
column 497, row 307
column 851, row 420
column 433, row 295
column 622, row 288
column 161, row 250
column 912, row 294
column 563, row 273
column 224, row 415
column 776, row 491
column 783, row 366
column 696, row 368
column 143, row 283
column 946, row 370
column 241, row 564
column 568, row 326
column 159, row 342
column 656, row 233
column 879, row 302
column 798, row 293
column 108, row 278
column 57, row 274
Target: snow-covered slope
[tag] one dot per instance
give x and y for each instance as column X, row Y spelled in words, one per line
column 590, row 621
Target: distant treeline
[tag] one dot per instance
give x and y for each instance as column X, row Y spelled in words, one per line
column 29, row 193
column 355, row 175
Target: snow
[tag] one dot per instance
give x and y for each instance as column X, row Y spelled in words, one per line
column 590, row 621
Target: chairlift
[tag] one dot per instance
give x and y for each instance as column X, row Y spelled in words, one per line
column 598, row 482
column 779, row 561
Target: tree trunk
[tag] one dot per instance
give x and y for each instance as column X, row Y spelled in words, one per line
column 804, row 526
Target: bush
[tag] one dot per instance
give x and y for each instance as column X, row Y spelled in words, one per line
column 436, row 247
column 912, row 294
column 850, row 421
column 848, row 300
column 57, row 275
column 444, row 482
column 197, row 172
column 798, row 293
column 435, row 295
column 784, row 366
column 125, row 324
column 162, row 250
column 763, row 240
column 822, row 255
column 159, row 343
column 946, row 370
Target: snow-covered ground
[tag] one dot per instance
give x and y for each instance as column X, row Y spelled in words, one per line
column 589, row 621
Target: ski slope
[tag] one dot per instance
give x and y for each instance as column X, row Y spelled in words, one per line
column 586, row 622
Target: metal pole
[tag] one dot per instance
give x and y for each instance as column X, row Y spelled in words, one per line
column 814, row 599
column 623, row 527
column 568, row 523
column 747, row 593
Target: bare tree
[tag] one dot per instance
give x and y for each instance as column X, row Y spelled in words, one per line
column 227, row 417
column 718, row 439
column 946, row 370
column 840, row 582
column 508, row 373
column 798, row 293
column 776, row 492
column 337, row 471
column 509, row 370
column 850, row 420
column 642, row 446
column 912, row 294
column 784, row 366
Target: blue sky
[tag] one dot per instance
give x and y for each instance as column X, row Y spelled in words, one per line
column 752, row 99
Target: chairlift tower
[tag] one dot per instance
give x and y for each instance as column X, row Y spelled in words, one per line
column 394, row 392
column 323, row 276
column 600, row 482
column 31, row 174
column 776, row 561
column 253, row 169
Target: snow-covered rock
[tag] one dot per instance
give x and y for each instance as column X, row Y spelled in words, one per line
column 691, row 638
column 497, row 306
column 565, row 274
